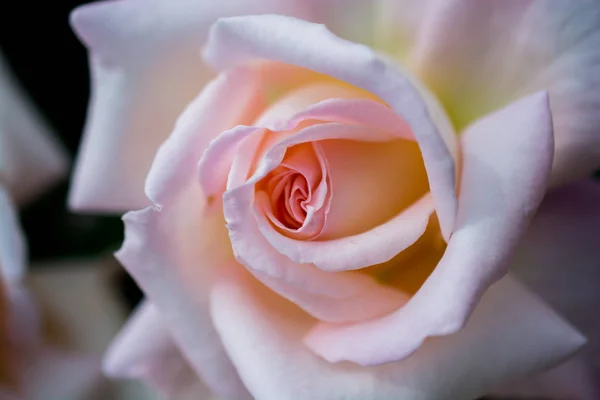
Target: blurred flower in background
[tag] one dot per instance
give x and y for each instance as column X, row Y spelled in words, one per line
column 56, row 319
column 33, row 367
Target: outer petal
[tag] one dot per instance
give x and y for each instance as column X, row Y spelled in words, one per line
column 560, row 260
column 478, row 56
column 145, row 69
column 506, row 163
column 145, row 350
column 239, row 40
column 30, row 158
column 511, row 333
column 173, row 255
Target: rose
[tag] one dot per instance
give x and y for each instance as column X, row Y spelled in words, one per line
column 504, row 160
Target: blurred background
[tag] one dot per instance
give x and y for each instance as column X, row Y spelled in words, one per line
column 51, row 65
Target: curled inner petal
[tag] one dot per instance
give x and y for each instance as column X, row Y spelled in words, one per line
column 296, row 193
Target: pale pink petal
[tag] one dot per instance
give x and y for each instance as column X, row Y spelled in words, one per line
column 173, row 254
column 510, row 334
column 230, row 100
column 144, row 57
column 144, row 349
column 31, row 159
column 560, row 260
column 240, row 40
column 506, row 164
column 13, row 255
column 478, row 56
column 172, row 258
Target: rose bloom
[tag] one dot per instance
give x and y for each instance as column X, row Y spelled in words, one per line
column 334, row 215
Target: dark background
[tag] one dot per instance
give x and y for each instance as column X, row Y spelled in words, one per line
column 51, row 64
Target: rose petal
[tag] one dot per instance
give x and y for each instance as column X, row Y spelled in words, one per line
column 239, row 40
column 374, row 246
column 479, row 56
column 144, row 349
column 13, row 253
column 168, row 252
column 145, row 69
column 506, row 163
column 230, row 100
column 511, row 334
column 30, row 157
column 172, row 259
column 559, row 260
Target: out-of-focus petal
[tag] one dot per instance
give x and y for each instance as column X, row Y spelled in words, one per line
column 144, row 57
column 50, row 373
column 570, row 380
column 510, row 334
column 355, row 20
column 240, row 40
column 506, row 163
column 478, row 56
column 81, row 313
column 398, row 25
column 144, row 349
column 13, row 257
column 560, row 260
column 30, row 157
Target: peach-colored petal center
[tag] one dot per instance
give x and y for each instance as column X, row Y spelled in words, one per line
column 296, row 193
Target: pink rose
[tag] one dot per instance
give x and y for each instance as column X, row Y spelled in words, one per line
column 330, row 222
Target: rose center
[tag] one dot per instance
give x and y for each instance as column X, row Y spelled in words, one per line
column 295, row 195
column 290, row 195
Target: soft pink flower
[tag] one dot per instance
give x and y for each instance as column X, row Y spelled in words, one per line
column 327, row 221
